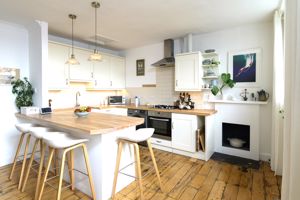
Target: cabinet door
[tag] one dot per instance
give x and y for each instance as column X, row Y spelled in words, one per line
column 184, row 132
column 82, row 72
column 101, row 73
column 56, row 68
column 187, row 72
column 117, row 71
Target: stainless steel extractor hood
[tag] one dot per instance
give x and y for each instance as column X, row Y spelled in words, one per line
column 168, row 60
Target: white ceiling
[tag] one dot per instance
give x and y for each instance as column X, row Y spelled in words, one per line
column 133, row 23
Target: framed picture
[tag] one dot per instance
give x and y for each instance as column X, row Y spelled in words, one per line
column 140, row 67
column 244, row 67
column 7, row 75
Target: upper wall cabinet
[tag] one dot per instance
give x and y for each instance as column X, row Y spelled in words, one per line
column 110, row 73
column 84, row 71
column 57, row 69
column 188, row 72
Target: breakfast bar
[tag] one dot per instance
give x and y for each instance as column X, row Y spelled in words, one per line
column 102, row 131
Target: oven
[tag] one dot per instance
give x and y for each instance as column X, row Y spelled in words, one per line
column 140, row 114
column 162, row 124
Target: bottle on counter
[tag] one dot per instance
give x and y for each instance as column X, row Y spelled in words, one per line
column 137, row 101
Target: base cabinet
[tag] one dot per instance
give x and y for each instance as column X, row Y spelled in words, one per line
column 184, row 132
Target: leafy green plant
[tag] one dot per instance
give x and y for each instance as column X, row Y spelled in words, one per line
column 226, row 81
column 24, row 91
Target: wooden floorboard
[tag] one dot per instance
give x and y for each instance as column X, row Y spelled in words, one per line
column 182, row 178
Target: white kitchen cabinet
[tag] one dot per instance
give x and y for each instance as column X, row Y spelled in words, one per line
column 184, row 132
column 102, row 73
column 188, row 72
column 117, row 71
column 57, row 70
column 84, row 71
column 109, row 73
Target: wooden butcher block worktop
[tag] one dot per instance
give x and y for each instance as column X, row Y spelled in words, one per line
column 94, row 123
column 199, row 112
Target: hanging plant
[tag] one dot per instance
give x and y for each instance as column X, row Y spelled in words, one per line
column 24, row 91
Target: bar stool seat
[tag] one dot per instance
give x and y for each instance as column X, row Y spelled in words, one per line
column 143, row 134
column 24, row 127
column 39, row 132
column 140, row 135
column 66, row 143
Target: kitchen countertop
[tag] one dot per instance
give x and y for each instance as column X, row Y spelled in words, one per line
column 199, row 112
column 93, row 124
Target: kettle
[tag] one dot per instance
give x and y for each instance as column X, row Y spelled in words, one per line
column 263, row 95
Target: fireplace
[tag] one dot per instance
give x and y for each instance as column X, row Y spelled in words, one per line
column 238, row 131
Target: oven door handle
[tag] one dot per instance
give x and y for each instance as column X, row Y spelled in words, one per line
column 158, row 119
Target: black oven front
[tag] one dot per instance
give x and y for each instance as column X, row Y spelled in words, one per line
column 162, row 124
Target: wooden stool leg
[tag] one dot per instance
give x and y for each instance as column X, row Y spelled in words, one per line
column 61, row 176
column 46, row 173
column 16, row 156
column 71, row 167
column 24, row 162
column 42, row 149
column 139, row 171
column 120, row 147
column 154, row 163
column 88, row 168
column 30, row 164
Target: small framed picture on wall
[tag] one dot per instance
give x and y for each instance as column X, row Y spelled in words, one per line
column 245, row 66
column 140, row 67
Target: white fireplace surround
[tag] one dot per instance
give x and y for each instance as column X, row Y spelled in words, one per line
column 238, row 113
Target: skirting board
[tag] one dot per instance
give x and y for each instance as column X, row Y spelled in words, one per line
column 265, row 157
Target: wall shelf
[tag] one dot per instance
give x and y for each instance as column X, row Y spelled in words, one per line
column 239, row 102
column 210, row 77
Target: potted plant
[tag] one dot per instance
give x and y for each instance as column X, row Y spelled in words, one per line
column 226, row 82
column 24, row 91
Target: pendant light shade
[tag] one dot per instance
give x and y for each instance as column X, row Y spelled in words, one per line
column 72, row 60
column 96, row 56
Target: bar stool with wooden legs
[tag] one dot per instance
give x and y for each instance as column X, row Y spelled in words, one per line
column 24, row 130
column 38, row 133
column 66, row 143
column 141, row 135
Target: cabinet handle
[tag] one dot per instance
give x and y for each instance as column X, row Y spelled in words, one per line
column 157, row 141
column 172, row 125
column 92, row 74
column 67, row 81
column 110, row 83
column 96, row 83
column 176, row 82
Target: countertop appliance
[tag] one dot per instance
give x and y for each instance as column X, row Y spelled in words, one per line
column 165, row 107
column 116, row 100
column 162, row 123
column 140, row 114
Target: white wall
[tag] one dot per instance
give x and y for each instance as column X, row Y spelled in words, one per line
column 151, row 54
column 13, row 53
column 38, row 58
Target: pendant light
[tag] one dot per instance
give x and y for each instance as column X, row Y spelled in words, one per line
column 96, row 56
column 72, row 60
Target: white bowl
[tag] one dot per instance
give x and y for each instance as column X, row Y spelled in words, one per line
column 235, row 142
column 81, row 114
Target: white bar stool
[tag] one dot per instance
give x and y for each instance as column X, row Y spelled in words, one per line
column 23, row 128
column 38, row 133
column 141, row 135
column 66, row 143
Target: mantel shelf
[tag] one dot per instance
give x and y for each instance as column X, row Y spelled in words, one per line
column 239, row 102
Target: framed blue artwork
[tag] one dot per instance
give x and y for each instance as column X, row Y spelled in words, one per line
column 244, row 66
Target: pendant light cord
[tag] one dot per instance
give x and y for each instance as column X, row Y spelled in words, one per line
column 72, row 36
column 96, row 28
